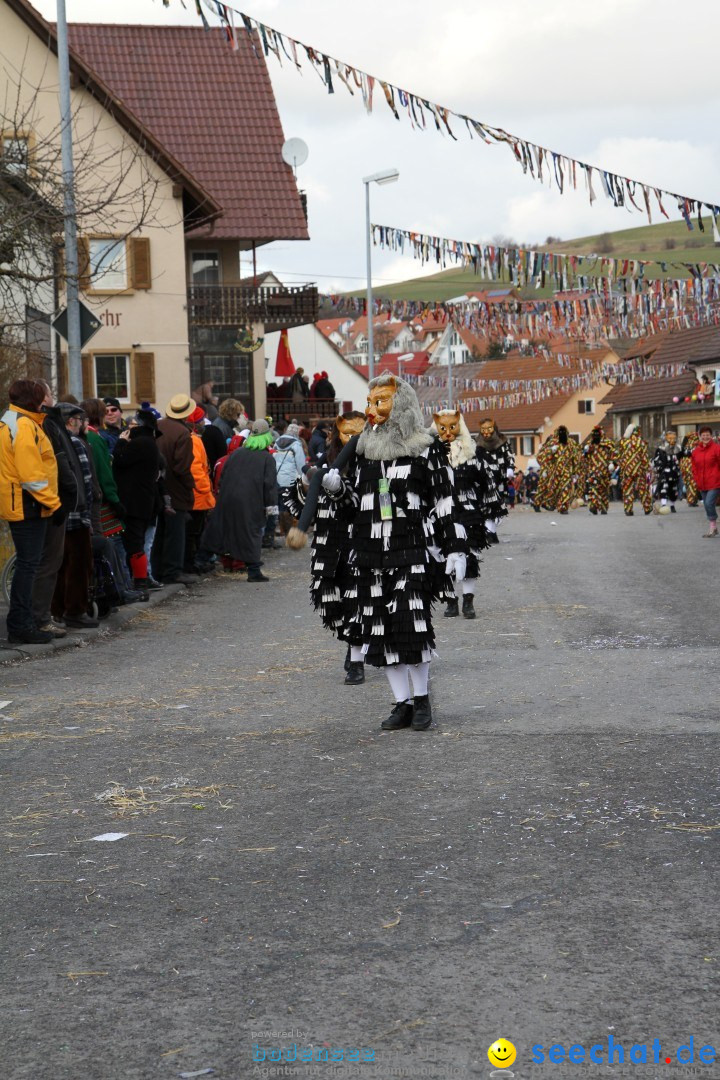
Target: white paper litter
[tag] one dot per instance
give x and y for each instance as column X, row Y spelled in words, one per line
column 200, row 1072
column 4, row 704
column 110, row 836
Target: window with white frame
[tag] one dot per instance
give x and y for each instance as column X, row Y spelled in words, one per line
column 15, row 154
column 112, row 375
column 108, row 264
column 527, row 445
column 586, row 405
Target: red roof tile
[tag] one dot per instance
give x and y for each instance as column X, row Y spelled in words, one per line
column 329, row 326
column 202, row 203
column 695, row 346
column 215, row 111
column 647, row 393
column 519, row 418
column 389, row 362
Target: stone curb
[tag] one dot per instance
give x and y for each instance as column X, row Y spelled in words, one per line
column 11, row 654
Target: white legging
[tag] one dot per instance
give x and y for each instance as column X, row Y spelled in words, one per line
column 398, row 677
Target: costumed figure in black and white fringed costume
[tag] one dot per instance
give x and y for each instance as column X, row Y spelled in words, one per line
column 475, row 499
column 405, row 542
column 499, row 461
column 666, row 463
column 329, row 567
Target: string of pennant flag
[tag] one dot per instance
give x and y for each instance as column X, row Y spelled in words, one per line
column 526, row 266
column 540, row 162
column 591, row 316
column 508, row 393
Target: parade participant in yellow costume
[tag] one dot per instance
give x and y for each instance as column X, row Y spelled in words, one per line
column 634, row 461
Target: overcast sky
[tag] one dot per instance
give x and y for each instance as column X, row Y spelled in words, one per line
column 629, row 85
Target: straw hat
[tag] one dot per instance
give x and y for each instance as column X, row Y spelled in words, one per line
column 180, row 407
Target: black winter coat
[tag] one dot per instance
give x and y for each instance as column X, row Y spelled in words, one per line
column 247, row 487
column 136, row 468
column 71, row 485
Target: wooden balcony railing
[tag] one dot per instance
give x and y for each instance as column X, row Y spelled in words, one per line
column 308, row 414
column 236, row 305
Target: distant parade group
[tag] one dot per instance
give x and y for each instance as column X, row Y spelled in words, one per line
column 402, row 514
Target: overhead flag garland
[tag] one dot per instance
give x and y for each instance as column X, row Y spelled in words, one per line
column 590, row 316
column 540, row 162
column 481, row 395
column 523, row 267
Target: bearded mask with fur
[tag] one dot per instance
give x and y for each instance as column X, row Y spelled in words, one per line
column 404, row 433
column 462, row 448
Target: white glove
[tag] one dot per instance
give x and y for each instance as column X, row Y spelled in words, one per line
column 271, row 511
column 510, row 473
column 491, row 525
column 332, row 482
column 456, row 565
column 434, row 550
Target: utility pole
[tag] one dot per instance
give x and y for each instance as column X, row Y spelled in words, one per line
column 75, row 379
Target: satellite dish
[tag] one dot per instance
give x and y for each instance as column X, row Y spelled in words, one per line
column 294, row 152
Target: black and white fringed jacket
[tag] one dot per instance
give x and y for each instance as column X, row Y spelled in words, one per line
column 424, row 515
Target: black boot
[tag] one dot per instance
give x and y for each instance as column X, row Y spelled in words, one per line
column 468, row 610
column 593, row 509
column 451, row 611
column 347, row 658
column 400, row 717
column 355, row 673
column 422, row 715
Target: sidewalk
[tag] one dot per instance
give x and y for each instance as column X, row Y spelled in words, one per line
column 9, row 654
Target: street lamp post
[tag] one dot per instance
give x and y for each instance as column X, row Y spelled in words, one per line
column 388, row 176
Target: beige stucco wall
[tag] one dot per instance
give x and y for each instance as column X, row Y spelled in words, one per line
column 152, row 320
column 577, row 423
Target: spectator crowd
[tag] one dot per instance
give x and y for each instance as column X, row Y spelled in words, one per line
column 104, row 508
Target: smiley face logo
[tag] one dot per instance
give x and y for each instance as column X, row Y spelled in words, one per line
column 502, row 1053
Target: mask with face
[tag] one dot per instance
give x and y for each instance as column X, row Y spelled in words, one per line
column 447, row 425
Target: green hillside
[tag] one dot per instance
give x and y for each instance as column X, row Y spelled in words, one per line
column 664, row 246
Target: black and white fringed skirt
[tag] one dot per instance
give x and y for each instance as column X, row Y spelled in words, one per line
column 394, row 578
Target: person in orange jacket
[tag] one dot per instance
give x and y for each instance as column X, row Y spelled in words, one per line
column 28, row 500
column 196, row 559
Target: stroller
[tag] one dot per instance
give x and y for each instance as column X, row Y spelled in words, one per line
column 105, row 589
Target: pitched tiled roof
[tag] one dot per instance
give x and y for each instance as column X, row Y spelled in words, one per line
column 647, row 393
column 329, row 326
column 520, row 418
column 694, row 346
column 380, row 324
column 389, row 362
column 637, row 348
column 215, row 111
column 202, row 203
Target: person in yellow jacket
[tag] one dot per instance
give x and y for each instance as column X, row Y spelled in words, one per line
column 28, row 500
column 197, row 560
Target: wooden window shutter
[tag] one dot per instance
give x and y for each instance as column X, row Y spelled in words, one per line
column 88, row 380
column 59, row 262
column 62, row 374
column 144, row 376
column 140, row 262
column 83, row 245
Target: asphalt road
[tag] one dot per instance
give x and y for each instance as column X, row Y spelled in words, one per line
column 541, row 866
